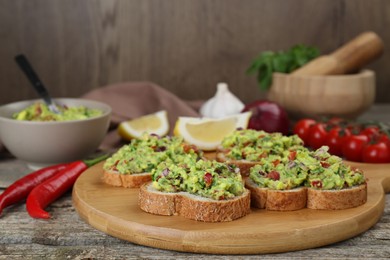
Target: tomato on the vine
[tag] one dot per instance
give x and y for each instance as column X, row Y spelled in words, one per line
column 376, row 153
column 335, row 121
column 316, row 135
column 355, row 129
column 353, row 147
column 352, row 140
column 335, row 140
column 301, row 128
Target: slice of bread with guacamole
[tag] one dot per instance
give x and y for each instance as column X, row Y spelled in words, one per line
column 201, row 190
column 277, row 184
column 114, row 178
column 337, row 199
column 314, row 179
column 332, row 184
column 131, row 165
column 278, row 200
column 246, row 148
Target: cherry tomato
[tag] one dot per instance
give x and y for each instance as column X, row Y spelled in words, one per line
column 370, row 131
column 301, row 128
column 316, row 136
column 353, row 147
column 376, row 153
column 384, row 138
column 335, row 139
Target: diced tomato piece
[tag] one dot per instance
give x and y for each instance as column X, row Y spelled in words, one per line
column 208, row 179
column 274, row 175
column 276, row 162
column 292, row 155
column 325, row 164
column 317, row 184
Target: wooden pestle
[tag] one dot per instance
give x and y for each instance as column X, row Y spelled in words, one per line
column 347, row 59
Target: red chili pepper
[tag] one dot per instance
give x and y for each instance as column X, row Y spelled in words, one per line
column 51, row 189
column 20, row 189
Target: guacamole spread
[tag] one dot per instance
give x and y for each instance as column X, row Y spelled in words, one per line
column 40, row 112
column 328, row 171
column 278, row 174
column 144, row 154
column 316, row 169
column 252, row 145
column 209, row 179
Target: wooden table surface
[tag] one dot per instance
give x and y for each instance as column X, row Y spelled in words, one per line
column 67, row 236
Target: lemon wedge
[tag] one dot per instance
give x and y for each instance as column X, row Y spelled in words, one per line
column 156, row 123
column 208, row 133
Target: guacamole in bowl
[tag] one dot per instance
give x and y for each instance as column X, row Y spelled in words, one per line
column 43, row 143
column 40, row 112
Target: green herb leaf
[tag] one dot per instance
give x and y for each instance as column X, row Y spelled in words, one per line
column 269, row 62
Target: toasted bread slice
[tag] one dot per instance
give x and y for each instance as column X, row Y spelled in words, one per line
column 114, row 178
column 337, row 199
column 278, row 200
column 209, row 155
column 191, row 206
column 244, row 165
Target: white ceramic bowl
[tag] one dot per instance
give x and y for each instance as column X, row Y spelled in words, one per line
column 46, row 143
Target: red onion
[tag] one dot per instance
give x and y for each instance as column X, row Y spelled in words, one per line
column 267, row 116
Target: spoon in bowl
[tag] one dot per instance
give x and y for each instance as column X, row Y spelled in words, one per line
column 24, row 64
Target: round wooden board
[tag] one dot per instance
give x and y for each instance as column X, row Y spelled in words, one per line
column 115, row 211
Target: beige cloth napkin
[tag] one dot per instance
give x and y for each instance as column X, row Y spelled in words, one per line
column 130, row 100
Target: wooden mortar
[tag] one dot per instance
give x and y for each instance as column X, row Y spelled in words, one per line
column 345, row 96
column 323, row 87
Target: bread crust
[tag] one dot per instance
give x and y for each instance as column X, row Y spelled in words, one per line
column 244, row 165
column 193, row 207
column 278, row 200
column 337, row 199
column 114, row 178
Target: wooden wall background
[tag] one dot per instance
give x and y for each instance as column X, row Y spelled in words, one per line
column 186, row 46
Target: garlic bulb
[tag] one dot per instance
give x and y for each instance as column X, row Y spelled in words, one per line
column 224, row 103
